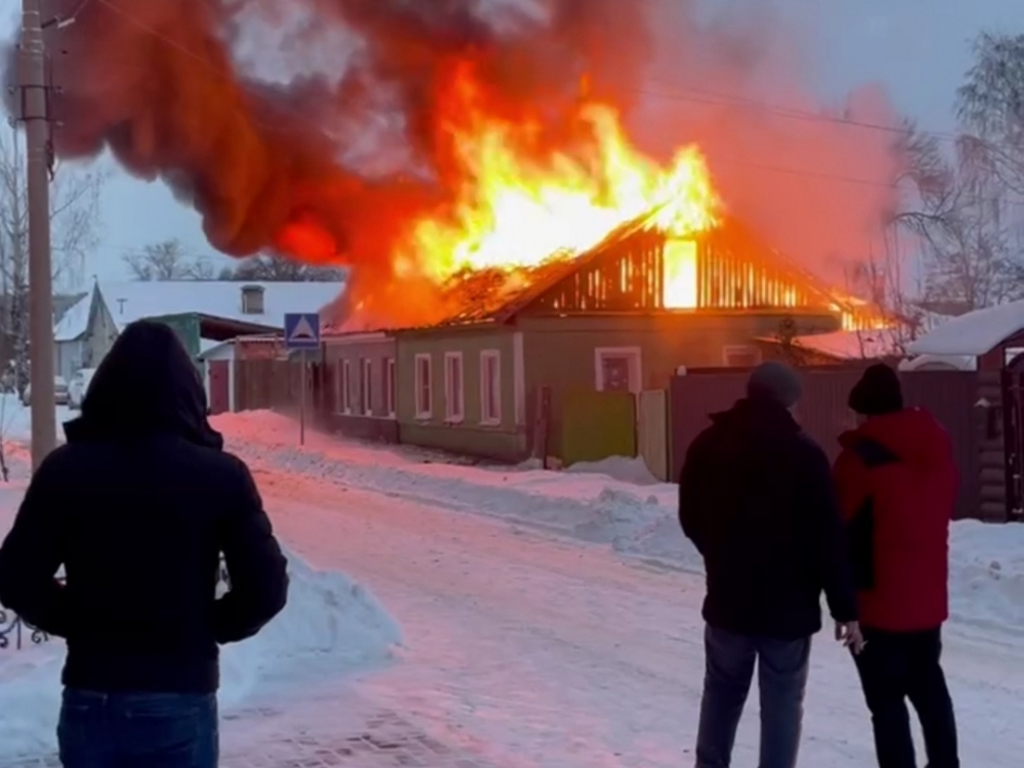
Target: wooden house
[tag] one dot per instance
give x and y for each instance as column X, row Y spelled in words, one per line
column 531, row 360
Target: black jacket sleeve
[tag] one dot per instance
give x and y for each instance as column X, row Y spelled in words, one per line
column 257, row 569
column 828, row 540
column 32, row 554
column 692, row 484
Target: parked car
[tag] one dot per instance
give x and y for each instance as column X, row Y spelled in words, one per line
column 60, row 392
column 79, row 386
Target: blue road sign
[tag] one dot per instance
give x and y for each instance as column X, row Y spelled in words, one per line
column 302, row 330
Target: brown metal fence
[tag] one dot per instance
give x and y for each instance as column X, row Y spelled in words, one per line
column 823, row 412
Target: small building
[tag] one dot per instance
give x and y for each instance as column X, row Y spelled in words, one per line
column 203, row 313
column 554, row 360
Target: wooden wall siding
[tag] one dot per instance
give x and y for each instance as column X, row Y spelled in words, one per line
column 628, row 276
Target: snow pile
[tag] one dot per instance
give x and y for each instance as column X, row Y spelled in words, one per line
column 331, row 627
column 622, row 468
column 986, row 579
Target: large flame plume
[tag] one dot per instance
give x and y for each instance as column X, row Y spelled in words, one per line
column 411, row 139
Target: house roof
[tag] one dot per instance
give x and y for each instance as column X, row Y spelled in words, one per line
column 972, row 334
column 75, row 320
column 130, row 301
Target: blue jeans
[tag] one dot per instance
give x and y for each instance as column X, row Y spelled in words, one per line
column 138, row 730
column 782, row 679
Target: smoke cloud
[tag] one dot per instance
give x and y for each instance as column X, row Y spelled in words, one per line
column 322, row 128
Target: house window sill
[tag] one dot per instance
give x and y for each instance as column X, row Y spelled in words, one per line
column 454, row 420
column 490, row 423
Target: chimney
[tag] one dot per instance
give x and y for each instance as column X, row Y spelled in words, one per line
column 252, row 299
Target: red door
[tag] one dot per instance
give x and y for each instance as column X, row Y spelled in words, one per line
column 220, row 386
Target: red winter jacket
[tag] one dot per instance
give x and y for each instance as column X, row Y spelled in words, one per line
column 897, row 482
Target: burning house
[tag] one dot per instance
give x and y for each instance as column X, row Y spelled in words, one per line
column 514, row 365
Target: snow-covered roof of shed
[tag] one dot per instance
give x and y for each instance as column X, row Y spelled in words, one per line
column 75, row 320
column 972, row 334
column 849, row 345
column 131, row 301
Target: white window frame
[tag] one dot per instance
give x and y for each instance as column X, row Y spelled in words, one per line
column 490, row 419
column 741, row 349
column 427, row 413
column 345, row 387
column 635, row 357
column 454, row 400
column 390, row 407
column 366, row 386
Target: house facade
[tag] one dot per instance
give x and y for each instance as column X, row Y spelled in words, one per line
column 516, row 372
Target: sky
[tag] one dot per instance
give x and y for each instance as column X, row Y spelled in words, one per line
column 918, row 50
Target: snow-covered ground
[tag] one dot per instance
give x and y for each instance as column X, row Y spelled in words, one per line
column 548, row 620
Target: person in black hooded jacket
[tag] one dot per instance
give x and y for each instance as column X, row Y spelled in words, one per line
column 138, row 507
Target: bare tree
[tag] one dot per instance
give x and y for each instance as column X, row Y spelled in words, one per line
column 159, row 261
column 274, row 268
column 74, row 224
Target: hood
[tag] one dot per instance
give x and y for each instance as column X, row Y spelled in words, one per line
column 146, row 385
column 913, row 434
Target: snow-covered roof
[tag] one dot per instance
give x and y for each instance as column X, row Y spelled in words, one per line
column 130, row 301
column 972, row 334
column 75, row 320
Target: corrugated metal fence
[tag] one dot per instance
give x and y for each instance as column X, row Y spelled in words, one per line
column 823, row 412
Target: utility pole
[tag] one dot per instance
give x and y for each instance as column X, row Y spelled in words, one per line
column 34, row 102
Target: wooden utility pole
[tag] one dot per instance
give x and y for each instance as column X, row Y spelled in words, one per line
column 33, row 86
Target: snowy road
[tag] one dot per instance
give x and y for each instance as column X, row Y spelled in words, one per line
column 531, row 651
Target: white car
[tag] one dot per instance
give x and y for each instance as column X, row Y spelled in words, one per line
column 60, row 392
column 79, row 386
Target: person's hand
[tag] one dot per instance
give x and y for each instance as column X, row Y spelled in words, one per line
column 850, row 635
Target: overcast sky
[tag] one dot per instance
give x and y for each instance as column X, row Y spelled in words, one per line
column 918, row 49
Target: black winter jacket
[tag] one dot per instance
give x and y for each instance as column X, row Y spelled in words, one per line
column 756, row 498
column 138, row 507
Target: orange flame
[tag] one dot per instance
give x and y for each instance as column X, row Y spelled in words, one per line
column 519, row 205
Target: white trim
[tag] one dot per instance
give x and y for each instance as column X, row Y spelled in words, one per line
column 345, row 388
column 454, row 401
column 366, row 386
column 390, row 386
column 519, row 379
column 490, row 419
column 741, row 349
column 423, row 414
column 632, row 354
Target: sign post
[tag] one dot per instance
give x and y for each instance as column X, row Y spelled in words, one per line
column 302, row 332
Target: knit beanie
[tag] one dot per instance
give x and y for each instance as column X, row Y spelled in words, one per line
column 776, row 383
column 877, row 392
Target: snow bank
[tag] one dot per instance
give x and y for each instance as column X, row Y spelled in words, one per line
column 622, row 468
column 590, row 504
column 331, row 627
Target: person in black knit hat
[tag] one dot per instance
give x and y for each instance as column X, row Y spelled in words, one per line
column 756, row 498
column 897, row 483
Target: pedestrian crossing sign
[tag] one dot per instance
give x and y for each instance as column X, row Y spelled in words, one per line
column 302, row 330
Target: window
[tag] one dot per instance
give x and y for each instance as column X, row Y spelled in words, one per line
column 741, row 357
column 345, row 387
column 366, row 387
column 617, row 369
column 490, row 387
column 454, row 390
column 389, row 387
column 424, row 394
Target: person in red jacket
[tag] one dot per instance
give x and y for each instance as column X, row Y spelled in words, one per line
column 897, row 482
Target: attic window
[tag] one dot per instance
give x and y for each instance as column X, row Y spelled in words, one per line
column 252, row 299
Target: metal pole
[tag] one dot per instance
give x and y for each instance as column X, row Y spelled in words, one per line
column 34, row 98
column 302, row 400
